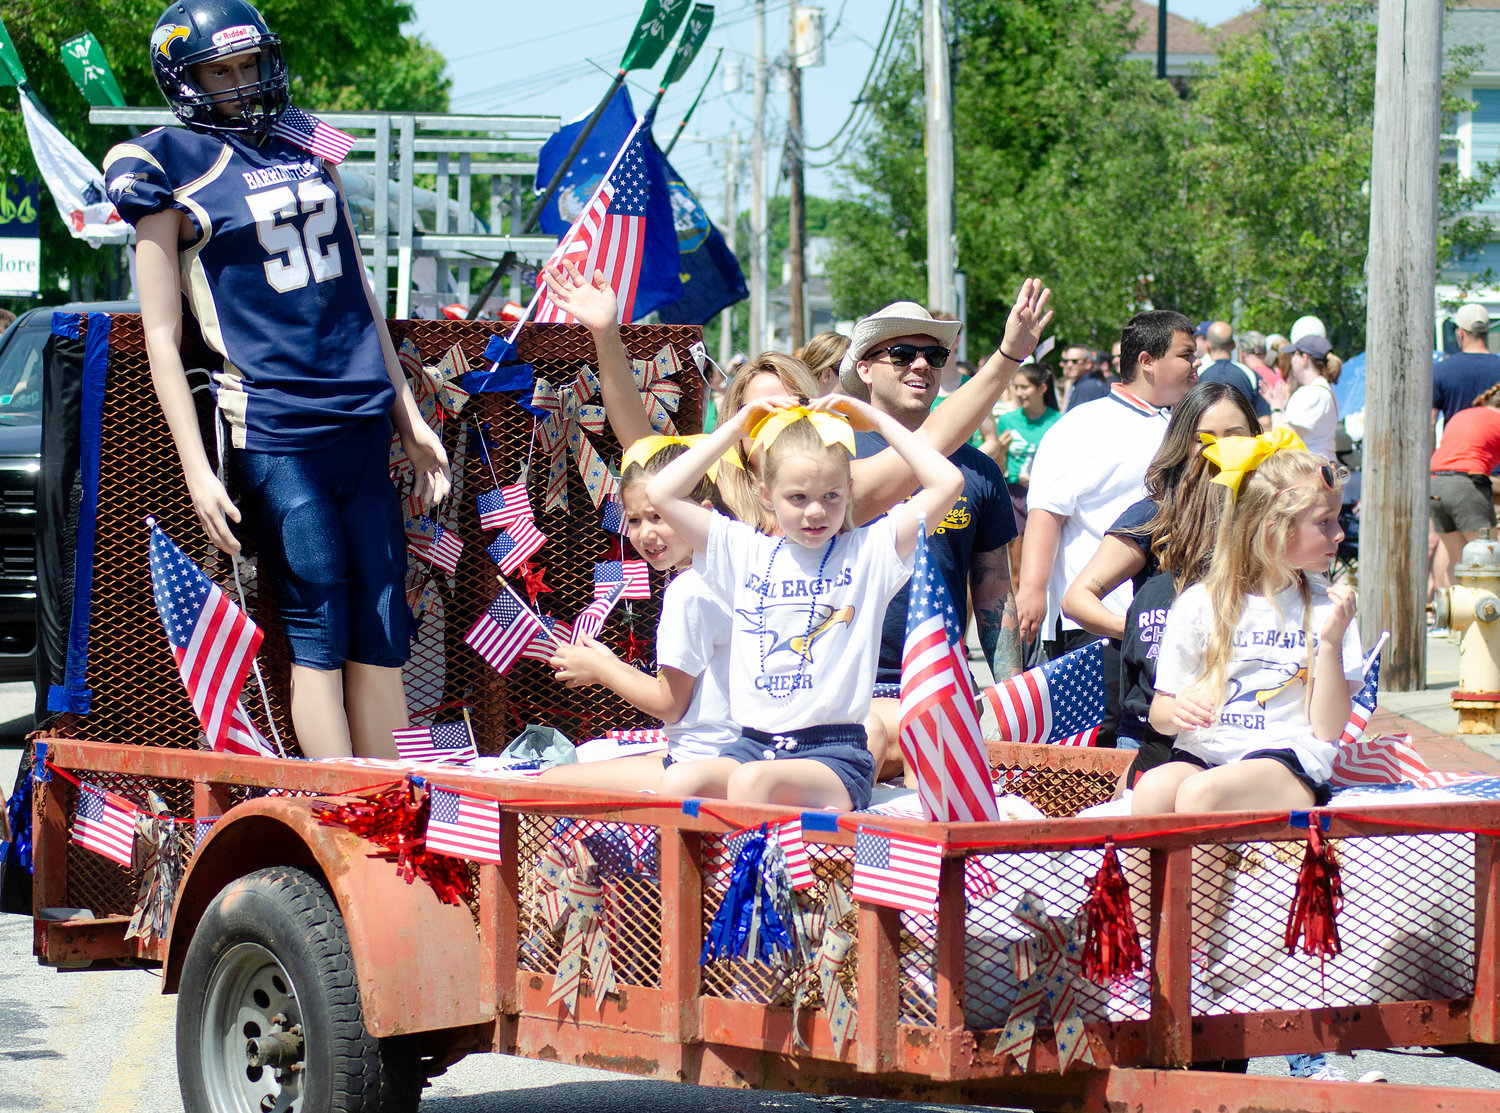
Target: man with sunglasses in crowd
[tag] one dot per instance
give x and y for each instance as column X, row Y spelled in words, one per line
column 895, row 363
column 1082, row 382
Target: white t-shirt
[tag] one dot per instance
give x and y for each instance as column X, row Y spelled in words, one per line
column 692, row 635
column 804, row 646
column 1314, row 411
column 1089, row 467
column 1265, row 705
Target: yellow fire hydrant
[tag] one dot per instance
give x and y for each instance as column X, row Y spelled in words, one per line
column 1472, row 609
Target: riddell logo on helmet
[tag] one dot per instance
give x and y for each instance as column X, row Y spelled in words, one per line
column 233, row 34
column 163, row 38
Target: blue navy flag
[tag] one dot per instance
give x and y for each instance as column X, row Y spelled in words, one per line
column 710, row 274
column 658, row 282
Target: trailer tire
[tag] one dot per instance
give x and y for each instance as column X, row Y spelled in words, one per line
column 270, row 961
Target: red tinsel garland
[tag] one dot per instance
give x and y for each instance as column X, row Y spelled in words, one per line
column 1317, row 900
column 1111, row 943
column 395, row 819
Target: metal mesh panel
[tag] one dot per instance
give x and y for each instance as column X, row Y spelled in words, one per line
column 1407, row 925
column 628, row 856
column 137, row 696
column 1060, row 781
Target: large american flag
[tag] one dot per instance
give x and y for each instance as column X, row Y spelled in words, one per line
column 105, row 824
column 1061, row 702
column 591, row 619
column 463, row 824
column 515, row 544
column 302, row 129
column 439, row 742
column 634, row 574
column 1379, row 761
column 504, row 630
column 898, row 872
column 940, row 734
column 213, row 643
column 610, row 234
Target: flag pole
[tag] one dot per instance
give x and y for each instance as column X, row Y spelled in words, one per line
column 469, row 726
column 686, row 116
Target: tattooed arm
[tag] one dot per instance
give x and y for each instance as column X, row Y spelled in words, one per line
column 995, row 611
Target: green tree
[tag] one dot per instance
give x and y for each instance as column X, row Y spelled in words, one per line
column 1278, row 200
column 343, row 54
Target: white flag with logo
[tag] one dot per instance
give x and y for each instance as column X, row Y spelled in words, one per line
column 76, row 186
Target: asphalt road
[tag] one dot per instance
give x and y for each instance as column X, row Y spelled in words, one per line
column 102, row 1042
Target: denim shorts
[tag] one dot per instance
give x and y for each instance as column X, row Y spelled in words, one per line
column 328, row 528
column 840, row 746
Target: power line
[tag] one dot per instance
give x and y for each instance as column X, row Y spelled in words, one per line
column 859, row 99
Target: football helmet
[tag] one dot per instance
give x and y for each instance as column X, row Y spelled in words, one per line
column 190, row 32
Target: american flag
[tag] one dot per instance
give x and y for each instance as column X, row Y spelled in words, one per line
column 543, row 646
column 794, row 849
column 1362, row 706
column 439, row 742
column 491, row 509
column 515, row 544
column 515, row 508
column 940, row 735
column 896, row 872
column 440, row 547
column 634, row 574
column 302, row 129
column 463, row 824
column 213, row 643
column 202, row 827
column 591, row 619
column 720, row 853
column 1378, row 761
column 610, row 234
column 612, row 519
column 105, row 824
column 1061, row 702
column 504, row 629
column 642, row 736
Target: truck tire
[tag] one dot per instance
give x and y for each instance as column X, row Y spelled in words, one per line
column 269, row 963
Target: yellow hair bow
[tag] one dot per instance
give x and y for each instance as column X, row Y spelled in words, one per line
column 1237, row 457
column 832, row 428
column 642, row 450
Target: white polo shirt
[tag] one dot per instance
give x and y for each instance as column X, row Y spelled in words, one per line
column 1089, row 467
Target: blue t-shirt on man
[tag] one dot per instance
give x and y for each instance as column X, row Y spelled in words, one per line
column 1460, row 378
column 981, row 521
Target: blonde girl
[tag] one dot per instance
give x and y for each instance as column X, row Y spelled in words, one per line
column 1258, row 661
column 689, row 692
column 807, row 605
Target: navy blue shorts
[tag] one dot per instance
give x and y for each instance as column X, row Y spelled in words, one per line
column 328, row 528
column 841, row 747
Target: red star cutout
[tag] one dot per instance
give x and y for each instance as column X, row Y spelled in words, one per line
column 630, row 650
column 531, row 577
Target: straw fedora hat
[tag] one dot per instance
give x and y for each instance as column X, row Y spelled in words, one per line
column 902, row 318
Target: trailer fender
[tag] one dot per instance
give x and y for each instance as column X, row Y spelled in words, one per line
column 417, row 960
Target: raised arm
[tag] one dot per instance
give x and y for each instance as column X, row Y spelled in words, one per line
column 161, row 318
column 883, row 480
column 669, row 490
column 595, row 306
column 1329, row 702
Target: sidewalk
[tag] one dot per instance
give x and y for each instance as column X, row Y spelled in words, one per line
column 1429, row 718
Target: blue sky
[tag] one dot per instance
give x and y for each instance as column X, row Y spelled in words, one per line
column 561, row 67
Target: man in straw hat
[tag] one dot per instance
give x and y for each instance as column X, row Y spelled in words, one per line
column 895, row 363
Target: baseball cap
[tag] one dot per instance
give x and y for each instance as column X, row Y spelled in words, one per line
column 1472, row 317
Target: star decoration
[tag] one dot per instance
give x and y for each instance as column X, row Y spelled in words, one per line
column 531, row 578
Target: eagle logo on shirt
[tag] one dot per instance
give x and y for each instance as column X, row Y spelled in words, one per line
column 825, row 618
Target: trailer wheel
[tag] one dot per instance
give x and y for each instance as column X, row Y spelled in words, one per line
column 269, row 1016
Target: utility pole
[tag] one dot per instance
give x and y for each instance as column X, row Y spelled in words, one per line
column 757, row 340
column 1399, row 329
column 732, row 231
column 939, row 117
column 797, row 218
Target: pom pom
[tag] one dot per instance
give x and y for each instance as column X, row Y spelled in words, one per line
column 1111, row 943
column 395, row 819
column 1317, row 900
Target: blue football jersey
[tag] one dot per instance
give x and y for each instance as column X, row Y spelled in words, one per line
column 274, row 277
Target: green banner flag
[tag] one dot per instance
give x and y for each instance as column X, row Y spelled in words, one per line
column 694, row 31
column 658, row 23
column 11, row 70
column 84, row 60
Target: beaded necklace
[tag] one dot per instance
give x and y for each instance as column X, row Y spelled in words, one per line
column 812, row 611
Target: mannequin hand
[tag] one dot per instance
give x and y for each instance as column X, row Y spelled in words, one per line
column 425, row 450
column 1029, row 318
column 215, row 511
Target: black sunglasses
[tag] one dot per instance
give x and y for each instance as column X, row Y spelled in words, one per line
column 904, row 355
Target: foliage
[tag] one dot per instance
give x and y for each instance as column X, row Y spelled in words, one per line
column 343, row 54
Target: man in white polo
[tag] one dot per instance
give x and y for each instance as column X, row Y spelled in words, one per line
column 1089, row 467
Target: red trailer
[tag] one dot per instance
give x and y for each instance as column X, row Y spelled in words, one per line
column 317, row 972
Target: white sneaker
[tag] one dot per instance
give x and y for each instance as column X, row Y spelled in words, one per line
column 1372, row 1076
column 1329, row 1071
